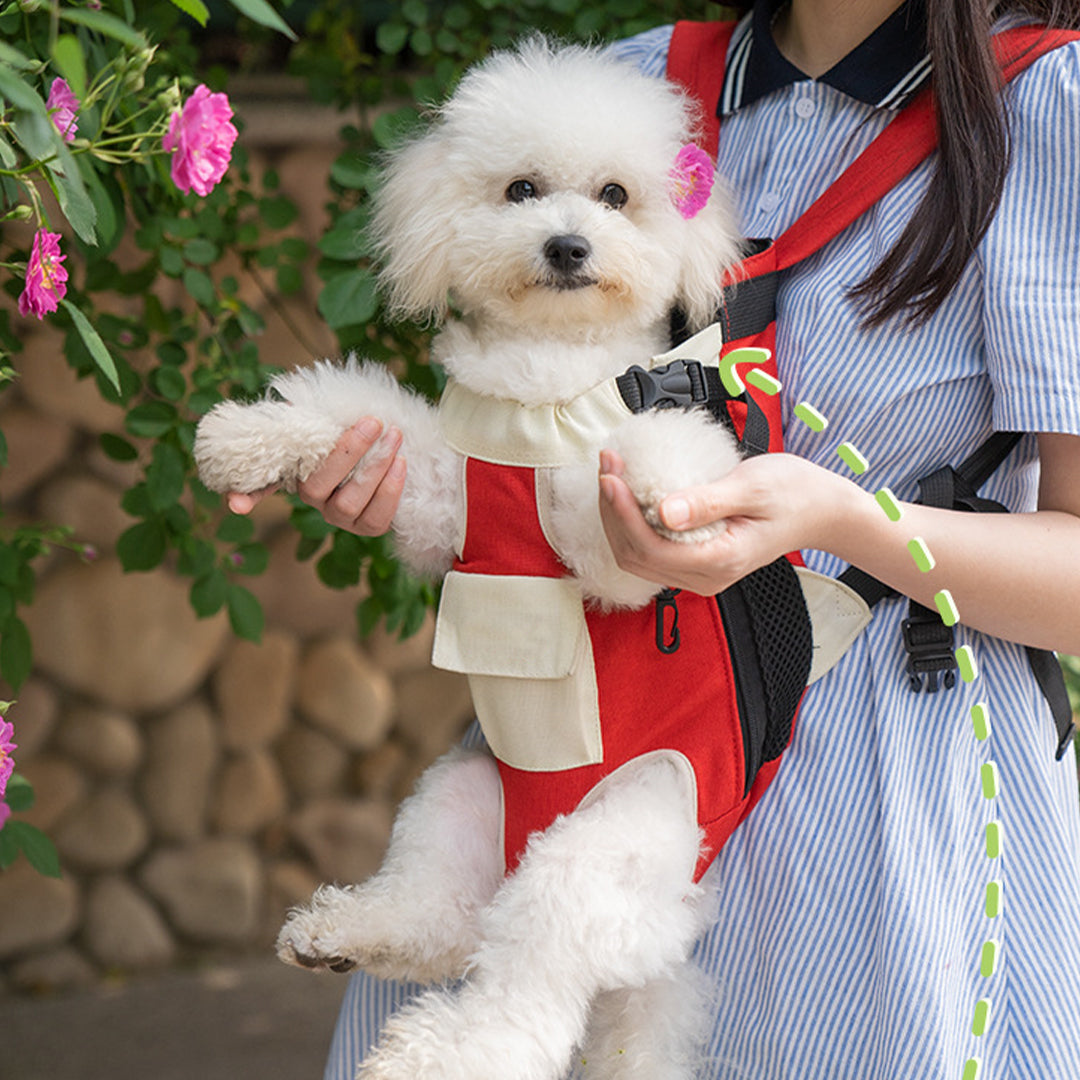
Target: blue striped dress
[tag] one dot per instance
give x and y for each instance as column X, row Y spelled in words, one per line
column 854, row 923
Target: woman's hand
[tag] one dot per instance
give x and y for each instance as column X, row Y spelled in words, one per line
column 771, row 504
column 364, row 504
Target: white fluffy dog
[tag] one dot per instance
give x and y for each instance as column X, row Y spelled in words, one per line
column 538, row 223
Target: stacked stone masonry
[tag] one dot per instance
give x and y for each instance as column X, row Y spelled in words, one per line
column 195, row 785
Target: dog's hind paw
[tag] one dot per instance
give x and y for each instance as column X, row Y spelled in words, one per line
column 310, row 940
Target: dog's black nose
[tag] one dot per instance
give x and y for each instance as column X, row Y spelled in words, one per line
column 567, row 254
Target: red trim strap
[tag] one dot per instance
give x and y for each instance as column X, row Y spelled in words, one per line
column 696, row 62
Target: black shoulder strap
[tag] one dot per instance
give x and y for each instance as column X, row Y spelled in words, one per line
column 928, row 642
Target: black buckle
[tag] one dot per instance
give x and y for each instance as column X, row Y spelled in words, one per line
column 678, row 385
column 928, row 643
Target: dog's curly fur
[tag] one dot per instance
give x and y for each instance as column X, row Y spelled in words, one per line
column 585, row 945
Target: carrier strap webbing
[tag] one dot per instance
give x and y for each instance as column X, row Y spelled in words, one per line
column 927, row 640
column 697, row 60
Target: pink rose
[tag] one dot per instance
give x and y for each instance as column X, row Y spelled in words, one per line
column 200, row 139
column 46, row 279
column 7, row 762
column 63, row 106
column 691, row 180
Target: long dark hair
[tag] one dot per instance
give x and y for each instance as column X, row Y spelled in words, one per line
column 917, row 275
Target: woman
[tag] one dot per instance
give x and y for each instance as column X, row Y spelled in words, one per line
column 853, row 902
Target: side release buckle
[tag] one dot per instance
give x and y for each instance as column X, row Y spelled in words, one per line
column 678, row 385
column 928, row 643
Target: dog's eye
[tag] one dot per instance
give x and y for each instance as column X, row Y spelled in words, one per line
column 521, row 191
column 613, row 195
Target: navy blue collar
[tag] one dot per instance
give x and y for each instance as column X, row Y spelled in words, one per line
column 884, row 71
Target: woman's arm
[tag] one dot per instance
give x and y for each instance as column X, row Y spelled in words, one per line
column 1016, row 576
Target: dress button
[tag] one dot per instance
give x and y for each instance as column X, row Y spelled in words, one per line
column 768, row 202
column 805, row 108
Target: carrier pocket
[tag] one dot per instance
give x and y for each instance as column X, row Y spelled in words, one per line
column 767, row 627
column 524, row 643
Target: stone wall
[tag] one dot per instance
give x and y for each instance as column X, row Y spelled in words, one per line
column 195, row 785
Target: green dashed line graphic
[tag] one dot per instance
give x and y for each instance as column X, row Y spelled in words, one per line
column 965, row 660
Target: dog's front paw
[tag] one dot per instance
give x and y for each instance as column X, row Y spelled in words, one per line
column 672, row 450
column 250, row 447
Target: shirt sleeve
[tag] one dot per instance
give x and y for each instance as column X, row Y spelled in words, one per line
column 1030, row 256
column 648, row 50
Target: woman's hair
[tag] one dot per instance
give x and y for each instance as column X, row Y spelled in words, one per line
column 965, row 188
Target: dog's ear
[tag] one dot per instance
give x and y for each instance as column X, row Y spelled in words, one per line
column 710, row 247
column 412, row 229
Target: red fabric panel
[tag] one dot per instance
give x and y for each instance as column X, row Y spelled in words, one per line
column 498, row 495
column 649, row 700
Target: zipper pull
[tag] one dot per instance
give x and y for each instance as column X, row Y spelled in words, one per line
column 665, row 599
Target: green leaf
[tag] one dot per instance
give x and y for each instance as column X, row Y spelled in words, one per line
column 235, row 529
column 108, row 199
column 278, row 211
column 416, row 11
column 168, row 352
column 142, row 547
column 71, row 193
column 346, row 240
column 305, row 548
column 421, row 42
column 9, row 847
column 390, row 128
column 94, row 344
column 340, row 566
column 200, row 287
column 172, row 262
column 197, row 557
column 415, row 614
column 195, row 8
column 209, row 593
column 8, row 158
column 349, row 298
column 19, row 794
column 245, row 613
column 9, row 564
column 165, row 476
column 151, row 419
column 353, row 170
column 104, row 23
column 390, row 37
column 20, row 61
column 368, row 614
column 67, row 55
column 21, row 95
column 261, row 12
column 16, row 652
column 254, row 559
column 169, row 382
column 290, row 279
column 201, row 251
column 36, row 846
column 116, row 448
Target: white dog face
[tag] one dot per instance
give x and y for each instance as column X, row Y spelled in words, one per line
column 540, row 202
